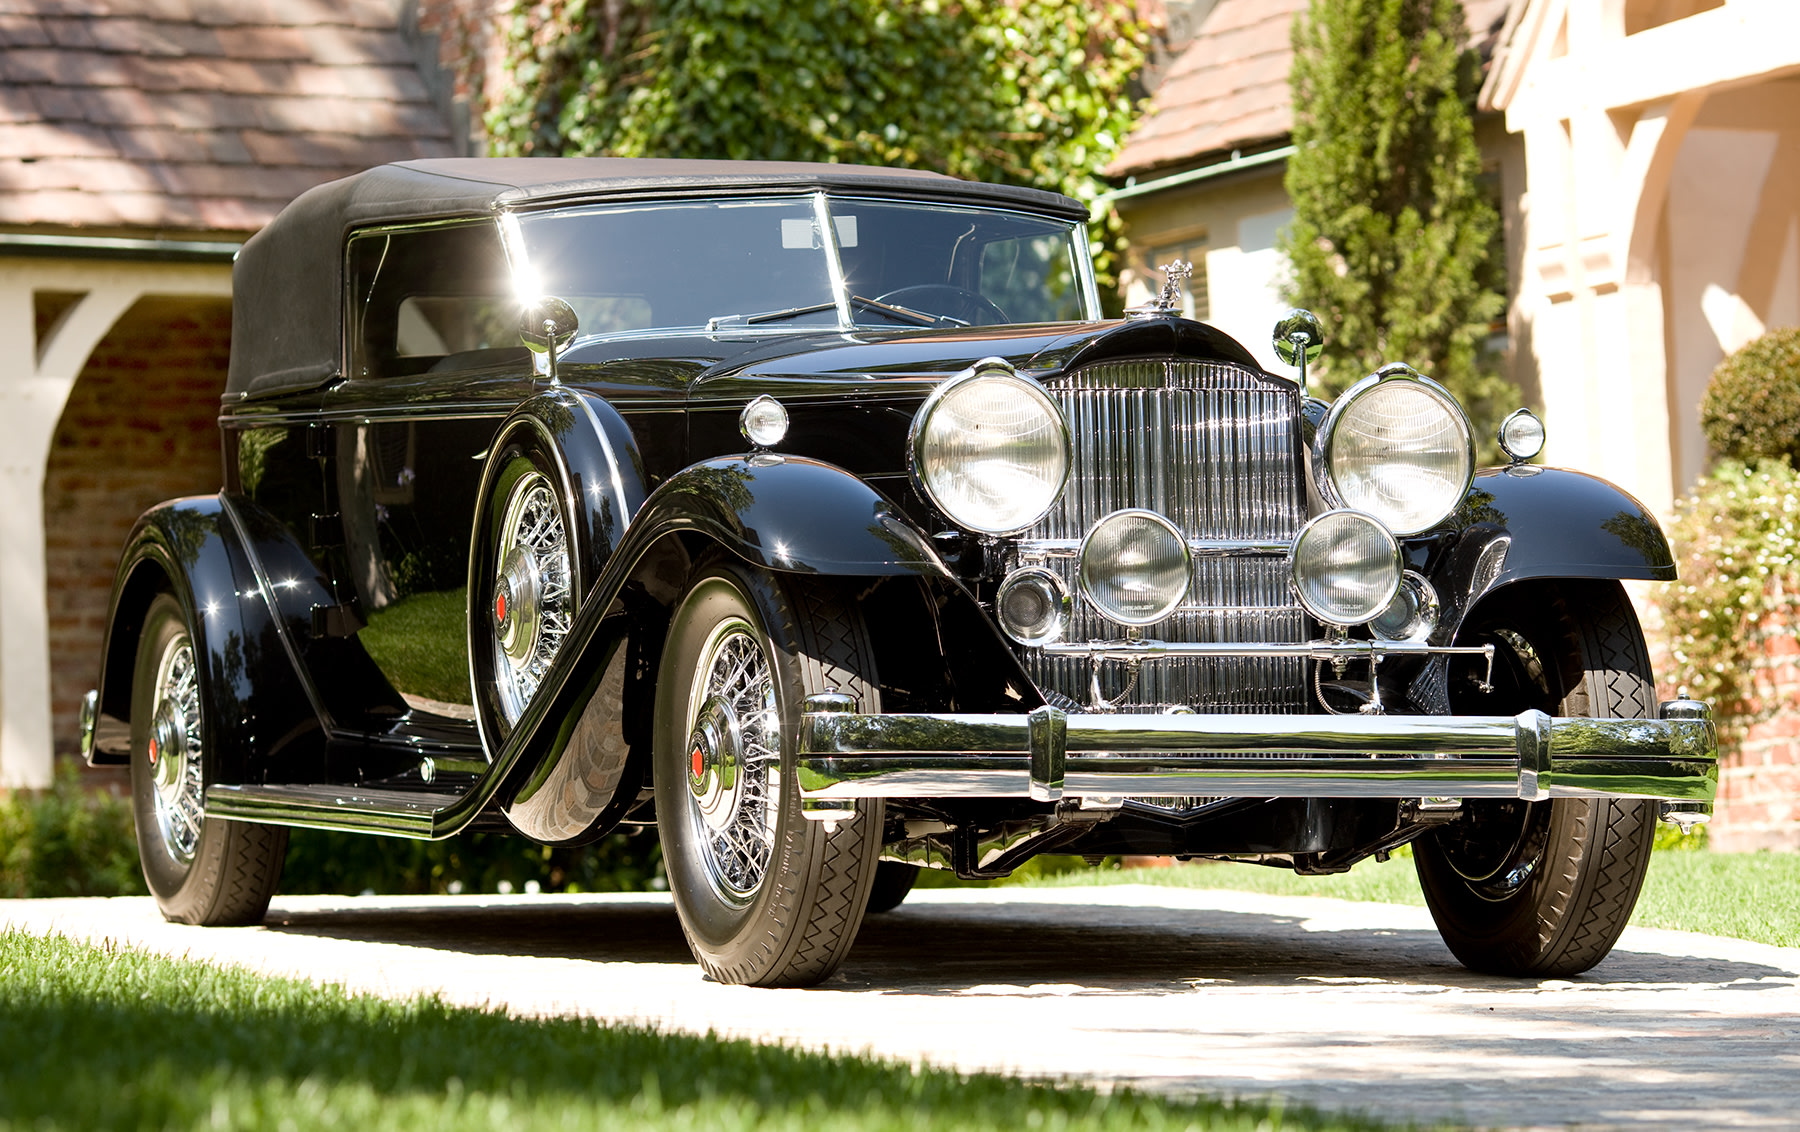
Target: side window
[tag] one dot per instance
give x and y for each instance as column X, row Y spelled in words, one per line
column 431, row 299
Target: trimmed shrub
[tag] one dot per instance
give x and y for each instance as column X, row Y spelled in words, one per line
column 1737, row 539
column 1751, row 410
column 67, row 841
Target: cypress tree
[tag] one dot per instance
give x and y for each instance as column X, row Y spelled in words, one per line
column 1394, row 237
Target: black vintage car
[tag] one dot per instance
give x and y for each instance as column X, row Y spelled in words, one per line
column 814, row 514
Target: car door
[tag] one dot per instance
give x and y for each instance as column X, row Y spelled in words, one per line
column 435, row 364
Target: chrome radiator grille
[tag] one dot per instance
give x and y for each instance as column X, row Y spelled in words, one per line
column 1213, row 447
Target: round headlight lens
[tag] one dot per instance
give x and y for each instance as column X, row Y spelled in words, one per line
column 1346, row 567
column 1398, row 447
column 1032, row 605
column 1134, row 567
column 1522, row 435
column 1412, row 615
column 991, row 450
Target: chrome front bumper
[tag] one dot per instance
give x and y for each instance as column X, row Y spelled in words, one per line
column 1048, row 755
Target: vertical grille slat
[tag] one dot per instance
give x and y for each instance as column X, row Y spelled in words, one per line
column 1213, row 447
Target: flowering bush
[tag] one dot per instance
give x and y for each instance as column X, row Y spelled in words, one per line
column 1738, row 541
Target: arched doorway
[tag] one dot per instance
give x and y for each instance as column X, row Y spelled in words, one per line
column 140, row 426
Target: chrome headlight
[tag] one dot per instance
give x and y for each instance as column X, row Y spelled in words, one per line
column 990, row 449
column 1397, row 446
column 1346, row 567
column 1135, row 567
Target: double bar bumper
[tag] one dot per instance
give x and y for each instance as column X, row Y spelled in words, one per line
column 1048, row 755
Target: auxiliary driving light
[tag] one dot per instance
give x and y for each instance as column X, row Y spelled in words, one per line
column 1413, row 613
column 1033, row 606
column 1346, row 567
column 1135, row 567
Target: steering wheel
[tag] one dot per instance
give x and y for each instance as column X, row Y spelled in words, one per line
column 948, row 301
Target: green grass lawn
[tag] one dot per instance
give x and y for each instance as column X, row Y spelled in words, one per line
column 1754, row 896
column 108, row 1038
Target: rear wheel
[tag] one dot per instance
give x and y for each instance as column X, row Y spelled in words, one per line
column 893, row 881
column 766, row 896
column 201, row 870
column 1545, row 888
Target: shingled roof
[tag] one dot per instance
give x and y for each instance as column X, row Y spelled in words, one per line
column 1229, row 89
column 198, row 115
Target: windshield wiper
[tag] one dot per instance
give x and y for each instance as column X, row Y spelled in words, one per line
column 904, row 314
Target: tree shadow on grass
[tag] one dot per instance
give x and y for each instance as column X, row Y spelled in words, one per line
column 104, row 1038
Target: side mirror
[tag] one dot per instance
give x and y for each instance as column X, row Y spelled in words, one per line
column 1299, row 339
column 546, row 325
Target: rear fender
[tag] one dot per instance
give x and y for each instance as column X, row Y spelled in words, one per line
column 191, row 549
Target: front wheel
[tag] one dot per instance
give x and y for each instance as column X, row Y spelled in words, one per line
column 766, row 897
column 1545, row 888
column 202, row 870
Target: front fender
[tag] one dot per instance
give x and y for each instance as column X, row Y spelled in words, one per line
column 1524, row 522
column 191, row 549
column 793, row 514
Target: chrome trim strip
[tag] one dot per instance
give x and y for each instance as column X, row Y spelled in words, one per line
column 1197, row 547
column 982, row 756
column 1312, row 650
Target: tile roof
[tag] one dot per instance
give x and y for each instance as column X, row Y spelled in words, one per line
column 198, row 115
column 1229, row 89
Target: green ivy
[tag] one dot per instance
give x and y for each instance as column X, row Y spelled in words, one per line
column 1738, row 537
column 1394, row 242
column 1028, row 92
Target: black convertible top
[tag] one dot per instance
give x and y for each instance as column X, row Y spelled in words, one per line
column 287, row 320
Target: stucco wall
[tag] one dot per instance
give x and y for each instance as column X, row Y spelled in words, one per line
column 1235, row 221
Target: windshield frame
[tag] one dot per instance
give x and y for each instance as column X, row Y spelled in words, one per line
column 525, row 278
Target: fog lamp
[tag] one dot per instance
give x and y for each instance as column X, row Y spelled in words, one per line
column 1346, row 567
column 1135, row 567
column 1413, row 613
column 1033, row 606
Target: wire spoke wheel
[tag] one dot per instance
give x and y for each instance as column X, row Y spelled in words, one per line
column 176, row 749
column 533, row 601
column 766, row 896
column 202, row 870
column 734, row 771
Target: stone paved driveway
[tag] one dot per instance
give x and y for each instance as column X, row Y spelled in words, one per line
column 1346, row 1006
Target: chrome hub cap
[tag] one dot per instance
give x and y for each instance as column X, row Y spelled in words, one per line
column 174, row 751
column 734, row 753
column 532, row 603
column 716, row 763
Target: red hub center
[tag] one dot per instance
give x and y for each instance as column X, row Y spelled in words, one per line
column 500, row 606
column 699, row 758
column 153, row 752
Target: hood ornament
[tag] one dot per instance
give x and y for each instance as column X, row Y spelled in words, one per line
column 1169, row 301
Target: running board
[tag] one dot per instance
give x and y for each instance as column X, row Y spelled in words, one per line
column 403, row 813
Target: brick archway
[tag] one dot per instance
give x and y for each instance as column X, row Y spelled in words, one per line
column 140, row 426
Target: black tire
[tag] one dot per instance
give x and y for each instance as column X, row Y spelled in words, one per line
column 893, row 880
column 1545, row 888
column 202, row 870
column 766, row 896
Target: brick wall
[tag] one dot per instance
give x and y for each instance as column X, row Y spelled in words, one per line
column 140, row 427
column 1759, row 772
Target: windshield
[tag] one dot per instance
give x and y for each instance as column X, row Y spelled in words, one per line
column 767, row 265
